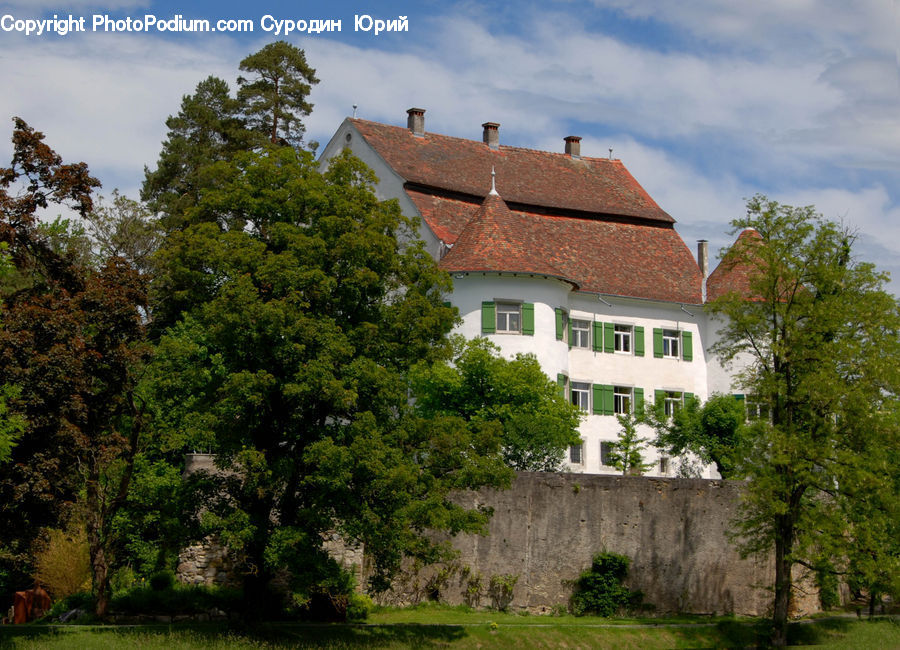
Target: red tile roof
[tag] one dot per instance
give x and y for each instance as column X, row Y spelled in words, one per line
column 586, row 221
column 733, row 275
column 536, row 178
column 496, row 239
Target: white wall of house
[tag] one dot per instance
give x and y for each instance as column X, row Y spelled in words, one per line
column 389, row 185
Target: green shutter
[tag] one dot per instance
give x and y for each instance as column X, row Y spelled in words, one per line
column 608, row 407
column 739, row 397
column 561, row 380
column 638, row 400
column 597, row 406
column 687, row 350
column 488, row 318
column 447, row 304
column 570, row 331
column 657, row 343
column 528, row 318
column 659, row 396
column 688, row 397
column 638, row 341
column 598, row 336
column 559, row 324
column 609, row 333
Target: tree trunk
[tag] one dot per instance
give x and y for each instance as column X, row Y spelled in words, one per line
column 783, row 583
column 99, row 561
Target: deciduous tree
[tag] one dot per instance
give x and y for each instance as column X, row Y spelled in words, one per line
column 821, row 338
column 302, row 314
column 537, row 425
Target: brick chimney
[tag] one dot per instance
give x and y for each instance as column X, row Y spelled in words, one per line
column 415, row 121
column 573, row 146
column 491, row 136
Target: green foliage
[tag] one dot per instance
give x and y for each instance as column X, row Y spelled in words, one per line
column 177, row 599
column 63, row 562
column 297, row 314
column 161, row 580
column 712, row 431
column 274, row 99
column 820, row 335
column 124, row 228
column 513, row 396
column 359, row 607
column 599, row 590
column 626, row 453
column 500, row 589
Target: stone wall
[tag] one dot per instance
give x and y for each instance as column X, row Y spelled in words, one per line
column 546, row 529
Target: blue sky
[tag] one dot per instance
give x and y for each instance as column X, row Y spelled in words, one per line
column 707, row 102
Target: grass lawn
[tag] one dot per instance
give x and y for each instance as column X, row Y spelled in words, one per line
column 446, row 627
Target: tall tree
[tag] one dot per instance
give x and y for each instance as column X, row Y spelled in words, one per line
column 70, row 343
column 820, row 339
column 537, row 425
column 124, row 228
column 208, row 128
column 626, row 454
column 302, row 314
column 274, row 98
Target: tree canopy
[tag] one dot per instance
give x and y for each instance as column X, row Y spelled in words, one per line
column 301, row 315
column 536, row 423
column 818, row 337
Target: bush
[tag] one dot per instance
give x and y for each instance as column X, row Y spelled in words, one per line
column 162, row 580
column 500, row 590
column 62, row 562
column 179, row 599
column 83, row 600
column 359, row 607
column 599, row 590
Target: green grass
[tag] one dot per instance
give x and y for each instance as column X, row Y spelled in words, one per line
column 446, row 627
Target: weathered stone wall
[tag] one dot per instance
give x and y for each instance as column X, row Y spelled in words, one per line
column 546, row 529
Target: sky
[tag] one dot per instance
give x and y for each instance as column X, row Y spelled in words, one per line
column 706, row 102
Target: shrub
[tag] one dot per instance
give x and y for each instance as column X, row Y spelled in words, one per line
column 359, row 607
column 599, row 590
column 501, row 590
column 62, row 562
column 180, row 599
column 162, row 580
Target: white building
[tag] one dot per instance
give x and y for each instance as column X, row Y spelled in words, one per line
column 566, row 257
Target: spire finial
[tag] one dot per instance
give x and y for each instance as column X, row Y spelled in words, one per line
column 493, row 182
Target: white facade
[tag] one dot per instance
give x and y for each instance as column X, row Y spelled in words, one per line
column 678, row 376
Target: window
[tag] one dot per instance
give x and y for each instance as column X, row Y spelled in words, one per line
column 673, row 402
column 622, row 338
column 757, row 410
column 580, row 394
column 605, row 452
column 509, row 317
column 621, row 400
column 581, row 333
column 664, row 465
column 576, row 454
column 670, row 343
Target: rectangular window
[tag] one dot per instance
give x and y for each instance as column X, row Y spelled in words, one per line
column 757, row 410
column 581, row 333
column 580, row 393
column 621, row 400
column 673, row 402
column 664, row 465
column 623, row 338
column 509, row 317
column 576, row 454
column 670, row 343
column 605, row 452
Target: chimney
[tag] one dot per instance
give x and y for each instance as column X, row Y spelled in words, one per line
column 703, row 263
column 491, row 135
column 573, row 146
column 416, row 121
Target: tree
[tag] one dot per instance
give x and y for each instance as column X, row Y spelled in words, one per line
column 71, row 344
column 626, row 454
column 301, row 316
column 124, row 228
column 537, row 425
column 11, row 424
column 274, row 99
column 209, row 128
column 711, row 431
column 819, row 336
